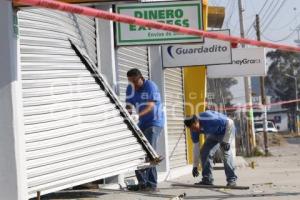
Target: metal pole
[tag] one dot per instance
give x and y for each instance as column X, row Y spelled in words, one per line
column 263, row 94
column 247, row 82
column 241, row 19
column 297, row 105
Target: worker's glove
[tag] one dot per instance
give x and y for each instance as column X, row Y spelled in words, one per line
column 195, row 172
column 135, row 118
column 225, row 146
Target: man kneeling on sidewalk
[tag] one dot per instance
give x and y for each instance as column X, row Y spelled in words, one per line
column 220, row 131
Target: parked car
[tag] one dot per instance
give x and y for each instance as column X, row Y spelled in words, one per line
column 270, row 128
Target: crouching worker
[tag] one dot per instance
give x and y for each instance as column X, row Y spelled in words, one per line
column 220, row 131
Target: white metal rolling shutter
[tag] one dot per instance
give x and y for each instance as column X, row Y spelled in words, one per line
column 175, row 115
column 87, row 30
column 128, row 58
column 74, row 133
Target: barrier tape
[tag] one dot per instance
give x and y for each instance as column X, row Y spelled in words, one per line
column 258, row 106
column 56, row 5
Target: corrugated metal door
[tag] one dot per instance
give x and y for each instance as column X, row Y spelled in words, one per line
column 175, row 115
column 74, row 132
column 128, row 58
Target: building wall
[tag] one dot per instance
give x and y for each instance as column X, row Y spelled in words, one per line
column 156, row 71
column 106, row 52
column 12, row 168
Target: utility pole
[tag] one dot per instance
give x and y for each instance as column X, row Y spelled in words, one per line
column 248, row 90
column 263, row 93
column 297, row 41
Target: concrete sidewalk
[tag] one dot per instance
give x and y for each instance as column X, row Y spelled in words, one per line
column 276, row 177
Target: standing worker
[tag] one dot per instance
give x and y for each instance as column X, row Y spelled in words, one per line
column 220, row 131
column 144, row 96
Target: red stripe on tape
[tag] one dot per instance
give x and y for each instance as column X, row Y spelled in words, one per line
column 257, row 106
column 149, row 23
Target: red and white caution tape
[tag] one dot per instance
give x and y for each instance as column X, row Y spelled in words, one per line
column 254, row 106
column 51, row 4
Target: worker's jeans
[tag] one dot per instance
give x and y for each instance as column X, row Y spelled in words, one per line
column 211, row 145
column 148, row 177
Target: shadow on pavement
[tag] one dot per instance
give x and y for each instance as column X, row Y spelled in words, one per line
column 295, row 140
column 280, row 194
column 71, row 195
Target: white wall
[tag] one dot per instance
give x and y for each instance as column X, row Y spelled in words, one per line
column 106, row 48
column 12, row 169
column 284, row 120
column 157, row 75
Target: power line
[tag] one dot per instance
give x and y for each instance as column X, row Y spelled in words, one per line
column 232, row 6
column 282, row 39
column 284, row 26
column 259, row 12
column 263, row 7
column 274, row 15
column 270, row 9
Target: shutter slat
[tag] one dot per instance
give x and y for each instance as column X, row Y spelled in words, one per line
column 175, row 116
column 74, row 133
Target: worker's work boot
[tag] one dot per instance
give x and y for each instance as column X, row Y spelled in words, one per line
column 136, row 187
column 152, row 190
column 231, row 184
column 204, row 183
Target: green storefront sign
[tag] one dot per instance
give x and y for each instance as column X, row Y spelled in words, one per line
column 183, row 13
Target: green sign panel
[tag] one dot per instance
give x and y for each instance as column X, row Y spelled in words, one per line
column 183, row 13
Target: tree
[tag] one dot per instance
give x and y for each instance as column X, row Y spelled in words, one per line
column 219, row 89
column 279, row 85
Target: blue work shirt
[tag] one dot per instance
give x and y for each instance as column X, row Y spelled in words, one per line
column 147, row 93
column 211, row 122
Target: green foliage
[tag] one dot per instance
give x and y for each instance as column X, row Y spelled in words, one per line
column 278, row 84
column 220, row 88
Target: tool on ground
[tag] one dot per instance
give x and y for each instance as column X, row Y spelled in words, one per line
column 212, row 186
column 179, row 197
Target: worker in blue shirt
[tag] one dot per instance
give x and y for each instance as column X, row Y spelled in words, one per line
column 144, row 96
column 220, row 131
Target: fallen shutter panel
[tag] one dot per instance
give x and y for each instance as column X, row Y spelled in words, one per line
column 128, row 58
column 75, row 130
column 175, row 116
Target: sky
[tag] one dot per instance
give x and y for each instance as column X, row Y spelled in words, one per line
column 278, row 18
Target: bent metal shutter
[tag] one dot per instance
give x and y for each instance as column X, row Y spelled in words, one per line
column 76, row 131
column 175, row 115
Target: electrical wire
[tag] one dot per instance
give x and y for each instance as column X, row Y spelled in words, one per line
column 274, row 16
column 279, row 40
column 232, row 6
column 268, row 17
column 284, row 26
column 269, row 11
column 259, row 12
